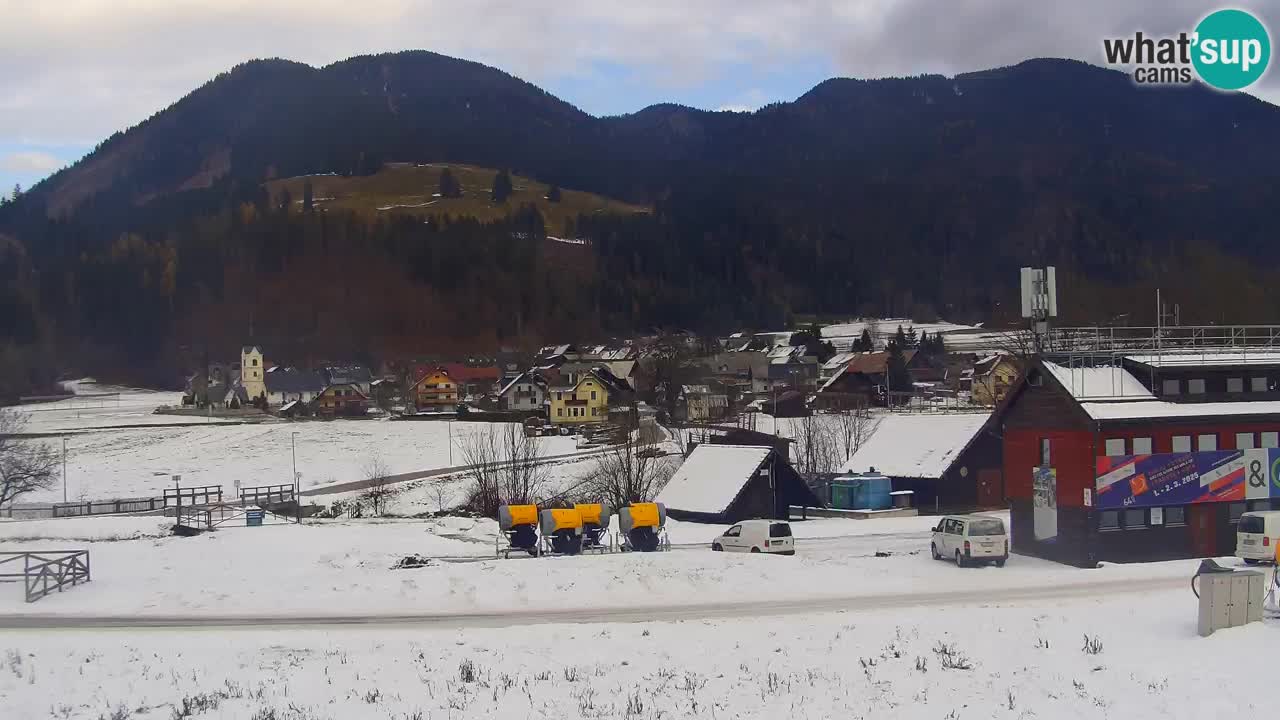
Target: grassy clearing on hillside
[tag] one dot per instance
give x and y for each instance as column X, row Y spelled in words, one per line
column 407, row 188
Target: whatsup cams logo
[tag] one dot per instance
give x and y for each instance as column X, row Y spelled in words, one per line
column 1228, row 50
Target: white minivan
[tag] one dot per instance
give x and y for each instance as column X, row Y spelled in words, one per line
column 1257, row 536
column 971, row 539
column 757, row 536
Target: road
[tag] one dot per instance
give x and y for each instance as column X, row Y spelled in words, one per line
column 652, row 613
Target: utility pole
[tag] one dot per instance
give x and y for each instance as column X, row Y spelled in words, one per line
column 297, row 486
column 64, row 468
column 450, row 430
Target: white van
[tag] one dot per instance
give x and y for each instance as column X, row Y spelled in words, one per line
column 971, row 539
column 757, row 536
column 1257, row 536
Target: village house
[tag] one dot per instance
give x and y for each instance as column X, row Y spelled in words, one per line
column 589, row 399
column 862, row 382
column 525, row 392
column 284, row 385
column 357, row 375
column 699, row 403
column 342, row 399
column 435, row 392
column 473, row 380
column 992, row 377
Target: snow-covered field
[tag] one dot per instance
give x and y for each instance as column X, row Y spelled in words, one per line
column 106, row 459
column 988, row 660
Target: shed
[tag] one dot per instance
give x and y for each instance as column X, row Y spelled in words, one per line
column 948, row 459
column 728, row 483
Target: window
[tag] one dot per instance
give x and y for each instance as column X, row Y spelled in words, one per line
column 255, row 362
column 779, row 530
column 1182, row 443
column 1206, row 442
column 1135, row 519
column 1045, row 454
column 1258, row 384
column 985, row 527
column 1235, row 510
column 559, row 412
column 1270, row 439
column 734, row 531
column 1175, row 516
column 1244, row 441
column 1115, row 447
column 1142, row 446
column 593, row 394
column 559, row 396
column 1235, row 385
column 1109, row 520
column 1196, row 386
column 1172, row 387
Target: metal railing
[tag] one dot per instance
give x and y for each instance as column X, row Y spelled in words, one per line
column 266, row 494
column 44, row 572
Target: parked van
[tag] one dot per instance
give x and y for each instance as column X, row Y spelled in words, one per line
column 1258, row 535
column 757, row 536
column 971, row 539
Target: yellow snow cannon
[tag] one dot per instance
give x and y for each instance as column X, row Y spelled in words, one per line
column 561, row 531
column 518, row 524
column 595, row 524
column 643, row 527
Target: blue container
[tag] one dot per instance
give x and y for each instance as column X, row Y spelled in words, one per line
column 864, row 491
column 253, row 518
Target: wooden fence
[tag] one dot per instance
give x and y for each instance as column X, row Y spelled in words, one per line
column 107, row 507
column 44, row 572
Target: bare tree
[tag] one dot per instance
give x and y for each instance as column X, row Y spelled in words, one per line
column 25, row 466
column 635, row 470
column 815, row 451
column 854, row 426
column 378, row 475
column 506, row 467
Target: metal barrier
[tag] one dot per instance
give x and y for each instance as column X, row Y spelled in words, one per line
column 44, row 572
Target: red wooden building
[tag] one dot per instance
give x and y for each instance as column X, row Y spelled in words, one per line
column 1140, row 457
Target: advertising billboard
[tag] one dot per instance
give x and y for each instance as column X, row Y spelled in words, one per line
column 1186, row 478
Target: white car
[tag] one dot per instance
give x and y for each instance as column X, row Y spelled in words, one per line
column 971, row 539
column 757, row 536
column 1257, row 536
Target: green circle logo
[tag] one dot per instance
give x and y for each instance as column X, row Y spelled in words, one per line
column 1232, row 49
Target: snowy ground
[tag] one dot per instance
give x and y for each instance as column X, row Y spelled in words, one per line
column 106, row 459
column 1007, row 660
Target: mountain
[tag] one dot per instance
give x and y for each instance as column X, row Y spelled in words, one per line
column 905, row 195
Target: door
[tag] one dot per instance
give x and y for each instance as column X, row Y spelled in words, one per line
column 990, row 488
column 1203, row 521
column 733, row 538
column 949, row 530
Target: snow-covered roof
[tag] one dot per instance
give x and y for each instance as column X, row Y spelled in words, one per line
column 916, row 446
column 711, row 477
column 1099, row 383
column 839, row 360
column 1209, row 358
column 1161, row 409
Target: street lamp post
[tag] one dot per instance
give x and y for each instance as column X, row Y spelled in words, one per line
column 64, row 468
column 297, row 486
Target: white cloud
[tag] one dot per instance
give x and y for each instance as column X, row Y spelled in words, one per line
column 29, row 161
column 77, row 70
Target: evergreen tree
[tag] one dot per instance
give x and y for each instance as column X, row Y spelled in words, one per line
column 864, row 342
column 912, row 339
column 501, row 186
column 900, row 338
column 449, row 185
column 17, row 190
column 308, row 197
column 553, row 194
column 939, row 345
column 898, row 377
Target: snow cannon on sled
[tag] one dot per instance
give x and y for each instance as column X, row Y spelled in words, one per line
column 518, row 525
column 561, row 531
column 644, row 527
column 595, row 526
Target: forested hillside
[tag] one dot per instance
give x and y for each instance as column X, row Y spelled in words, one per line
column 919, row 195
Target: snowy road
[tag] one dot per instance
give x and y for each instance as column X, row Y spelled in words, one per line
column 1102, row 587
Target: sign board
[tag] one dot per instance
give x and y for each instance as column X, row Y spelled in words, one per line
column 1157, row 516
column 1088, row 497
column 1187, row 478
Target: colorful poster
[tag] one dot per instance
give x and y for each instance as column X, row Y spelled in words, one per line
column 1186, row 478
column 1044, row 490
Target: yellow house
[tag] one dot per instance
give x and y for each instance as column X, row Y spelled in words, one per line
column 587, row 401
column 252, row 366
column 992, row 378
column 436, row 392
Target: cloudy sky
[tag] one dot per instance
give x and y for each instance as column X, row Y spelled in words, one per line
column 74, row 71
